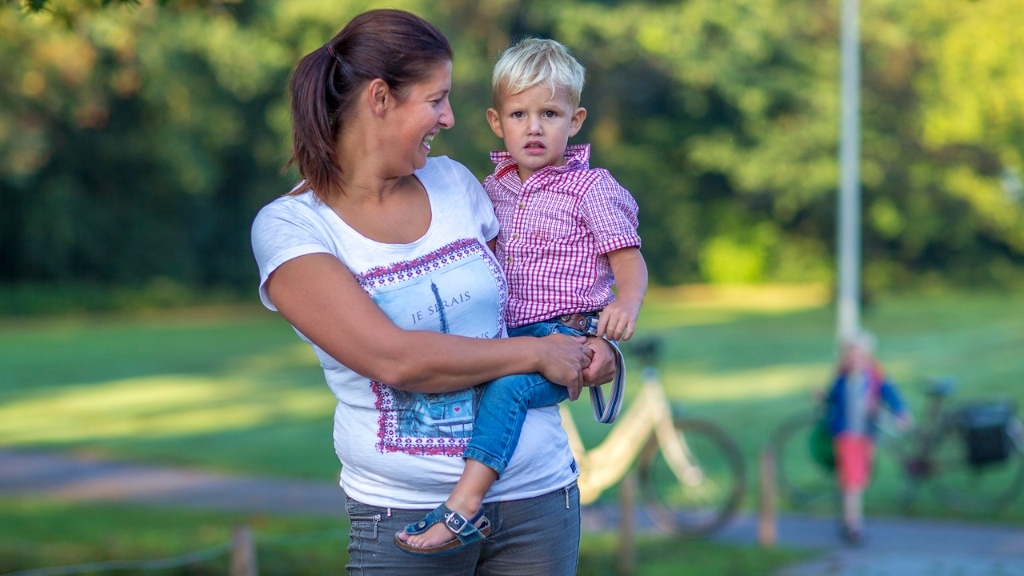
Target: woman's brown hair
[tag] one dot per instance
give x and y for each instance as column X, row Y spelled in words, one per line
column 393, row 45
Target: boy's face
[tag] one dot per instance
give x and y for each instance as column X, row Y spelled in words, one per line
column 536, row 126
column 857, row 357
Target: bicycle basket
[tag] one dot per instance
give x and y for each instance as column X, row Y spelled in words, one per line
column 821, row 446
column 986, row 432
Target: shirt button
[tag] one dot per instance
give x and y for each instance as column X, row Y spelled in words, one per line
column 515, row 235
column 509, row 260
column 521, row 205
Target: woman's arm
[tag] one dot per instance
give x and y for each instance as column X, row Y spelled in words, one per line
column 319, row 296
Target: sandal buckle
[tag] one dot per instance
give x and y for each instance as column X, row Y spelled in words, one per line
column 455, row 522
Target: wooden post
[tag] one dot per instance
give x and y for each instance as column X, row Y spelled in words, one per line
column 627, row 528
column 766, row 522
column 243, row 553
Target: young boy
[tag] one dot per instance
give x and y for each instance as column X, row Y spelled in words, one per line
column 854, row 403
column 567, row 233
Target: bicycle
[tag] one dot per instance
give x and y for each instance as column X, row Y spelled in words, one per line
column 970, row 456
column 691, row 472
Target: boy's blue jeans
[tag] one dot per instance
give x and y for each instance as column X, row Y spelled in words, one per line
column 503, row 406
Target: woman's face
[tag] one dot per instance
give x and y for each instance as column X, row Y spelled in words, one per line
column 423, row 112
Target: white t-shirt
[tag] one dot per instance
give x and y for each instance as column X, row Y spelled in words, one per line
column 397, row 448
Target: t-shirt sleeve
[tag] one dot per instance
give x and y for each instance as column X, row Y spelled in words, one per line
column 280, row 233
column 892, row 398
column 610, row 213
column 479, row 202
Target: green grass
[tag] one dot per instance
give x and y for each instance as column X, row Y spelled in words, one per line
column 37, row 533
column 234, row 389
column 977, row 338
column 659, row 556
column 747, row 362
column 26, row 299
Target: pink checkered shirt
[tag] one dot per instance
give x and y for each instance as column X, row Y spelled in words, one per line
column 555, row 231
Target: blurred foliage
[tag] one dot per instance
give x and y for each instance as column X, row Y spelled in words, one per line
column 138, row 139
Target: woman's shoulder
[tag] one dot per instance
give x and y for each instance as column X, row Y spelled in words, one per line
column 289, row 205
column 442, row 163
column 447, row 179
column 450, row 173
column 289, row 215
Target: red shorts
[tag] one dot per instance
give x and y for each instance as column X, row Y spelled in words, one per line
column 854, row 455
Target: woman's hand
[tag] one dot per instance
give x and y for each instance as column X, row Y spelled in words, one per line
column 601, row 369
column 563, row 360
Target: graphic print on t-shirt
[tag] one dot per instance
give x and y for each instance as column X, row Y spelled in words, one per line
column 457, row 290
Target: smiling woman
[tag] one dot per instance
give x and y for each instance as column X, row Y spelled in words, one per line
column 380, row 259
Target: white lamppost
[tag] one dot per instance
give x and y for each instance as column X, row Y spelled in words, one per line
column 849, row 210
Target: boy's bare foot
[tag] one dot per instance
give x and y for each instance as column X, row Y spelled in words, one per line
column 466, row 498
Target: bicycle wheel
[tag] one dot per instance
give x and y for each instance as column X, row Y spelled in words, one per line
column 803, row 476
column 701, row 489
column 975, row 488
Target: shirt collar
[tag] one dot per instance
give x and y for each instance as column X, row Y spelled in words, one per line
column 577, row 157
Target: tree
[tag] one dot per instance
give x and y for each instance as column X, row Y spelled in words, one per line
column 728, row 112
column 137, row 140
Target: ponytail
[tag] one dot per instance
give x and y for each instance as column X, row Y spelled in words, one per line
column 313, row 128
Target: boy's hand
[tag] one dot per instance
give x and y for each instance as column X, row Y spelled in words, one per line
column 602, row 365
column 617, row 321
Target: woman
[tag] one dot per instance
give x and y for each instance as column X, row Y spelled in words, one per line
column 379, row 259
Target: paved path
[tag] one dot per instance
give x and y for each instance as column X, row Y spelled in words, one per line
column 78, row 479
column 894, row 547
column 898, row 547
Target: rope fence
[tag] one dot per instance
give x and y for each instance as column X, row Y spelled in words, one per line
column 241, row 547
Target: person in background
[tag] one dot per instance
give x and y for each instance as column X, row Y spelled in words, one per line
column 854, row 402
column 379, row 259
column 566, row 234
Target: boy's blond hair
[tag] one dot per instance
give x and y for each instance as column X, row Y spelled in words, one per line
column 860, row 338
column 536, row 61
